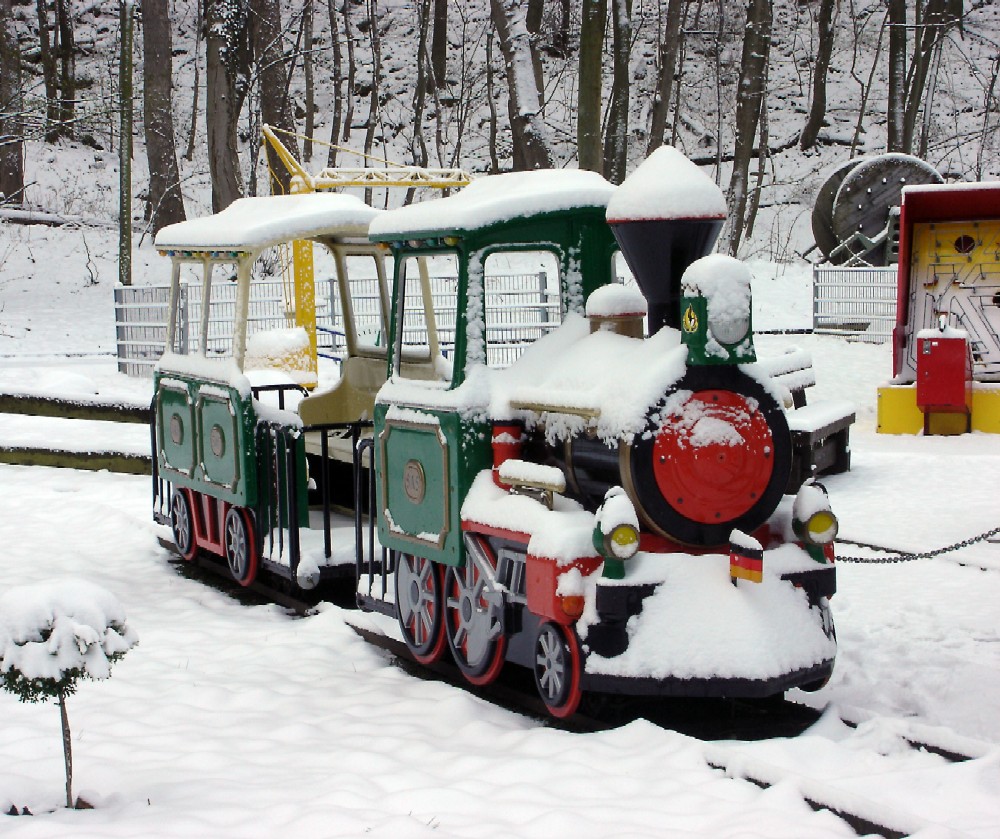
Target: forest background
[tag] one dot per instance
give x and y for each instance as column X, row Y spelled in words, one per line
column 766, row 96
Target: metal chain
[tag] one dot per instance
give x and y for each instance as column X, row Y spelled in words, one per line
column 909, row 557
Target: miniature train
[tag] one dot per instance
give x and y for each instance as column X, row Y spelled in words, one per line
column 534, row 476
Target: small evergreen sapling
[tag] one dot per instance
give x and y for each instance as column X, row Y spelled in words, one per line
column 54, row 633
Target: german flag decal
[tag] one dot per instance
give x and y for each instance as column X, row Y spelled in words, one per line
column 746, row 564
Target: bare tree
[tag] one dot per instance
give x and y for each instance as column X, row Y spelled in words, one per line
column 825, row 31
column 439, row 43
column 667, row 61
column 934, row 19
column 67, row 67
column 11, row 109
column 376, row 45
column 533, row 23
column 165, row 205
column 338, row 105
column 896, row 105
column 749, row 103
column 227, row 66
column 616, row 132
column 418, row 148
column 275, row 109
column 307, row 69
column 588, row 104
column 49, row 73
column 196, row 85
column 352, row 72
column 528, row 131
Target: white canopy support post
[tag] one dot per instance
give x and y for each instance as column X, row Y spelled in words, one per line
column 174, row 305
column 206, row 303
column 429, row 317
column 243, row 266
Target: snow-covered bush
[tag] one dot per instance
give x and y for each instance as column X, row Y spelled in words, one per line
column 54, row 633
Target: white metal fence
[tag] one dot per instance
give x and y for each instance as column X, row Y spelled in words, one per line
column 141, row 320
column 858, row 303
column 519, row 309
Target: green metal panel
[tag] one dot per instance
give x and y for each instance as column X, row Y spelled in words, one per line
column 204, row 437
column 219, row 439
column 175, row 430
column 424, row 471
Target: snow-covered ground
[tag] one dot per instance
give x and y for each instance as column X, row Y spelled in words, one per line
column 234, row 720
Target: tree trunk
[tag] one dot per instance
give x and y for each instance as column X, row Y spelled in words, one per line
column 67, row 68
column 49, row 74
column 669, row 45
column 439, row 43
column 825, row 31
column 125, row 53
column 376, row 45
column 491, row 98
column 226, row 71
column 533, row 23
column 528, row 131
column 588, row 102
column 561, row 39
column 193, row 131
column 352, row 71
column 11, row 111
column 749, row 102
column 165, row 205
column 616, row 134
column 307, row 69
column 418, row 148
column 275, row 110
column 67, row 748
column 897, row 76
column 338, row 106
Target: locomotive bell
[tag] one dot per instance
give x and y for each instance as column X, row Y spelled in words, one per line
column 665, row 215
column 715, row 311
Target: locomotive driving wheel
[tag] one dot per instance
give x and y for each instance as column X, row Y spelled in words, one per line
column 182, row 524
column 557, row 669
column 474, row 622
column 240, row 546
column 419, row 601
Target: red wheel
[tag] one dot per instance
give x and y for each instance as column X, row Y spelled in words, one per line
column 240, row 546
column 557, row 669
column 182, row 524
column 419, row 602
column 474, row 621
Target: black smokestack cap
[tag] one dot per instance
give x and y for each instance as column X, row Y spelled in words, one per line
column 665, row 215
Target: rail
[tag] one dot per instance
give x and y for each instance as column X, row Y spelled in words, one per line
column 519, row 310
column 857, row 303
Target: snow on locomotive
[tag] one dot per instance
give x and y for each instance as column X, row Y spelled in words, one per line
column 550, row 486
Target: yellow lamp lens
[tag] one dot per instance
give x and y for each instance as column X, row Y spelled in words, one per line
column 822, row 527
column 623, row 541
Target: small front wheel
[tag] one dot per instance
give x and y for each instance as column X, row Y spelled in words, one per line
column 240, row 546
column 557, row 669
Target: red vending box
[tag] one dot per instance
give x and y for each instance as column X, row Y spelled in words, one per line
column 944, row 371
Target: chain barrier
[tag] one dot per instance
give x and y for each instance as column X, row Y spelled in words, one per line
column 910, row 557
